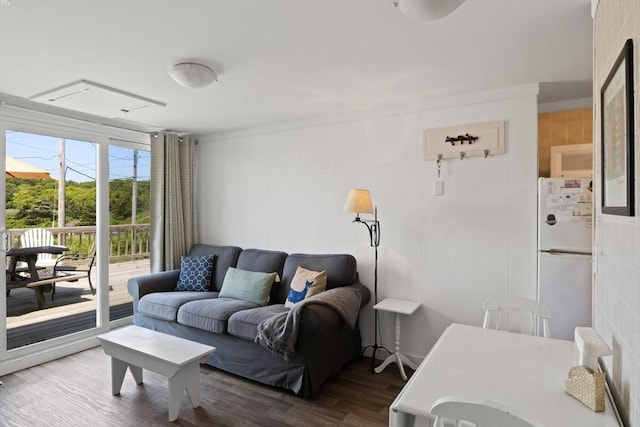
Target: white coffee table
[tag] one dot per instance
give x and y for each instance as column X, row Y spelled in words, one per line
column 397, row 306
column 177, row 359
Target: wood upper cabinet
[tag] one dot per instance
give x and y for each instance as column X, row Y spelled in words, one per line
column 562, row 128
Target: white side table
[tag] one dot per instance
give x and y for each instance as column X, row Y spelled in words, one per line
column 397, row 306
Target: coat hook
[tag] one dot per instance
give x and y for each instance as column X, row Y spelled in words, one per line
column 461, row 139
column 461, row 155
column 486, row 153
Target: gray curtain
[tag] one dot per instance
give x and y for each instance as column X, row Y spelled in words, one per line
column 173, row 221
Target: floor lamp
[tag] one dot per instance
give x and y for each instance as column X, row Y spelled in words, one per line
column 359, row 201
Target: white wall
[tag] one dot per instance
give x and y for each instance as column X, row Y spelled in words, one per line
column 617, row 238
column 283, row 187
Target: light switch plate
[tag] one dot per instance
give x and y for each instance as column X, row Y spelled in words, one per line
column 438, row 188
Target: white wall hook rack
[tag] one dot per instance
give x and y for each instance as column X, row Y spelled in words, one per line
column 478, row 139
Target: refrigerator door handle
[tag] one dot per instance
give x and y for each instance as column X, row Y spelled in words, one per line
column 565, row 252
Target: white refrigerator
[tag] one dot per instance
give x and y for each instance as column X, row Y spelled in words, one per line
column 565, row 217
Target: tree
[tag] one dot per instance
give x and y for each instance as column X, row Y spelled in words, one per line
column 33, row 203
column 120, row 201
column 81, row 203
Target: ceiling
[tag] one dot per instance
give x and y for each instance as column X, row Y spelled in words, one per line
column 284, row 60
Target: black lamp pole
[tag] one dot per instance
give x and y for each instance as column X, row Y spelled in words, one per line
column 374, row 236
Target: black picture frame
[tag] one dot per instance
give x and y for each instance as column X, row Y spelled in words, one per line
column 617, row 123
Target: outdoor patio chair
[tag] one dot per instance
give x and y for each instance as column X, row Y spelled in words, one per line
column 39, row 237
column 76, row 266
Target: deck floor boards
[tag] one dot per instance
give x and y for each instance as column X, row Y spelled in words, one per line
column 69, row 324
column 71, row 310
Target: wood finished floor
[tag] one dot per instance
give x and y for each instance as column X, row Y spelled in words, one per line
column 76, row 391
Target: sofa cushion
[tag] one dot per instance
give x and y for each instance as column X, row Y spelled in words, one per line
column 265, row 261
column 195, row 273
column 246, row 285
column 165, row 305
column 341, row 271
column 211, row 315
column 244, row 324
column 261, row 260
column 226, row 256
column 305, row 284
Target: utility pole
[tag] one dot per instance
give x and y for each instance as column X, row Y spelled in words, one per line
column 61, row 190
column 134, row 202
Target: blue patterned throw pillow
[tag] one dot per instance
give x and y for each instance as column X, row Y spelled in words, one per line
column 195, row 273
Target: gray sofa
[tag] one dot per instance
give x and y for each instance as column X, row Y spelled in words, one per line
column 325, row 342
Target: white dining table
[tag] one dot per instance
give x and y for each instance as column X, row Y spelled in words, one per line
column 522, row 374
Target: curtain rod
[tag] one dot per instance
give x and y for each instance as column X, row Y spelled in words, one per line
column 180, row 138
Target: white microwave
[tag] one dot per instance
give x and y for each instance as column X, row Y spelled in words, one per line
column 572, row 161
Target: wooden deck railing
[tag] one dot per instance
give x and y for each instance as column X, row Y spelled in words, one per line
column 126, row 242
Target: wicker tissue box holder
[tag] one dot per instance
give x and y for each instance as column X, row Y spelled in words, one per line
column 587, row 386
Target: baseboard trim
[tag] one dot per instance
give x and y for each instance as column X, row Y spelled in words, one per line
column 37, row 358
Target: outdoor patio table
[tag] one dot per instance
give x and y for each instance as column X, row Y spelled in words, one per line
column 29, row 255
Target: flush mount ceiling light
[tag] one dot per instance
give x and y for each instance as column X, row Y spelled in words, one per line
column 427, row 10
column 193, row 75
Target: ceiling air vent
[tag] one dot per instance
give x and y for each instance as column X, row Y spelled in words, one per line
column 94, row 98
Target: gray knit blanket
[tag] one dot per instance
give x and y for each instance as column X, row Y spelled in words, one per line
column 280, row 332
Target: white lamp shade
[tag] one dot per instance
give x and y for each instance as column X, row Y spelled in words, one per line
column 427, row 10
column 192, row 75
column 358, row 201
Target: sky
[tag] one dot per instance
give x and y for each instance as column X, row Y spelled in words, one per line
column 42, row 151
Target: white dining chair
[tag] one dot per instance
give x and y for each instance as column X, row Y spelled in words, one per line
column 452, row 411
column 432, row 420
column 504, row 306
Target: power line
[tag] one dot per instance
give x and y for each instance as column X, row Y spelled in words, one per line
column 35, row 157
column 31, row 146
column 84, row 165
column 81, row 173
column 78, row 164
column 88, row 167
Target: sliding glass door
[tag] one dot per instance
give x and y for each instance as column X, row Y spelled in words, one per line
column 50, row 208
column 129, row 190
column 75, row 228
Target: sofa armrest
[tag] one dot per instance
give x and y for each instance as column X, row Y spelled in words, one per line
column 317, row 318
column 163, row 281
column 365, row 293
